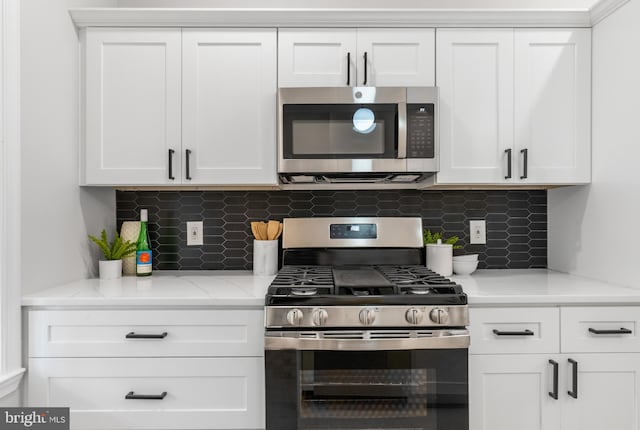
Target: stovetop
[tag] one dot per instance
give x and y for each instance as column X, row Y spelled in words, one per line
column 362, row 285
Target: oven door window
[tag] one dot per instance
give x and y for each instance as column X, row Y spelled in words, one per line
column 416, row 390
column 340, row 131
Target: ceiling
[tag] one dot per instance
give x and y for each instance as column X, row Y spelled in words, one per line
column 395, row 4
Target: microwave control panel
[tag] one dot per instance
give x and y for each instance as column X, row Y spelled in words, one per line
column 420, row 130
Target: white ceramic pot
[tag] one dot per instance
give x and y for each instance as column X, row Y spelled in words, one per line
column 265, row 257
column 440, row 258
column 110, row 269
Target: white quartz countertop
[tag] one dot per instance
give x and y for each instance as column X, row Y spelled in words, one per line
column 211, row 288
column 541, row 287
column 525, row 287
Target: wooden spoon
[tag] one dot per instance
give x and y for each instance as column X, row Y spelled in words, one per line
column 262, row 228
column 279, row 231
column 254, row 230
column 272, row 229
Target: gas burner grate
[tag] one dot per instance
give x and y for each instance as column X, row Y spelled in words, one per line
column 303, row 280
column 418, row 280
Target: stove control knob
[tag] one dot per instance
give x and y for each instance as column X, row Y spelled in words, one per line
column 294, row 316
column 319, row 317
column 367, row 316
column 414, row 316
column 439, row 315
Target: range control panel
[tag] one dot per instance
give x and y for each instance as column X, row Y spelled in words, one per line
column 353, row 231
column 420, row 130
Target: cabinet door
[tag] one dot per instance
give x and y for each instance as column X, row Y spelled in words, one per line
column 508, row 392
column 132, row 106
column 475, row 76
column 229, row 106
column 396, row 57
column 608, row 393
column 553, row 105
column 316, row 57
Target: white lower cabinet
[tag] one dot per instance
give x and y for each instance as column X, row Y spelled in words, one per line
column 598, row 379
column 509, row 392
column 514, row 391
column 149, row 369
column 192, row 393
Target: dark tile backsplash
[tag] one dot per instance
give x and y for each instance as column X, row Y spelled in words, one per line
column 516, row 220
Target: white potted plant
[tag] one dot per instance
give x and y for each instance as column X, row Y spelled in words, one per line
column 114, row 252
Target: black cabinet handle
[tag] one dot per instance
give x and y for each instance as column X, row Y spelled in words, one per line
column 365, row 69
column 525, row 154
column 526, row 332
column 132, row 396
column 509, row 157
column 188, row 174
column 574, row 379
column 133, row 335
column 171, row 151
column 554, row 393
column 622, row 330
column 348, row 68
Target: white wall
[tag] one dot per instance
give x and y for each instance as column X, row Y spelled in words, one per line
column 593, row 230
column 56, row 213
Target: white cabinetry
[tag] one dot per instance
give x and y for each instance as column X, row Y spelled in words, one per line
column 229, row 105
column 514, row 106
column 516, row 390
column 163, row 369
column 172, row 106
column 132, row 99
column 356, row 57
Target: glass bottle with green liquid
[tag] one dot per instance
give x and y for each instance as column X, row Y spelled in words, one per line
column 143, row 248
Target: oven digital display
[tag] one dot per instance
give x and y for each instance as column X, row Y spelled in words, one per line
column 353, row 231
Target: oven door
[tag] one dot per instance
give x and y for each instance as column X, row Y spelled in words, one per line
column 368, row 388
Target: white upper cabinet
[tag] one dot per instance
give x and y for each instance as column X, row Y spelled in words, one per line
column 316, row 57
column 229, row 106
column 514, row 106
column 475, row 77
column 356, row 57
column 553, row 105
column 132, row 105
column 173, row 106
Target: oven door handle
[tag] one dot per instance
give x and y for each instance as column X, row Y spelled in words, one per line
column 402, row 130
column 313, row 341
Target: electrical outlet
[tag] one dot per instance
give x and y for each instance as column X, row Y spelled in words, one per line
column 194, row 233
column 478, row 232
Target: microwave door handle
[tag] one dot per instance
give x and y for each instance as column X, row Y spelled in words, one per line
column 402, row 130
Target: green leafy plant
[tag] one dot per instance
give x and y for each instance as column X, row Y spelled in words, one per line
column 117, row 249
column 430, row 237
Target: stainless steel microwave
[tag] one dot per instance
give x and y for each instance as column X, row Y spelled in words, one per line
column 357, row 134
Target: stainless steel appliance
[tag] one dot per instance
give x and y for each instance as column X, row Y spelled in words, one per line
column 357, row 135
column 359, row 334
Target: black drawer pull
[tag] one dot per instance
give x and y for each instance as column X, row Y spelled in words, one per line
column 171, row 151
column 574, row 379
column 508, row 152
column 131, row 396
column 554, row 393
column 526, row 332
column 622, row 330
column 133, row 335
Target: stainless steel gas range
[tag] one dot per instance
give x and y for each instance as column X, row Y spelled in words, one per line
column 359, row 334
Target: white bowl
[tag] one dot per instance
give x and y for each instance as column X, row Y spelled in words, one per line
column 464, row 267
column 467, row 257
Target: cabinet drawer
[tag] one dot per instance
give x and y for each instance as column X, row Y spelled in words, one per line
column 600, row 329
column 116, row 333
column 514, row 330
column 201, row 393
